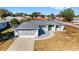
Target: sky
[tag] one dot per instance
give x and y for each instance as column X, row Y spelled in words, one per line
column 43, row 10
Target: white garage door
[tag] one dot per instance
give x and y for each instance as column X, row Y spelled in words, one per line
column 28, row 33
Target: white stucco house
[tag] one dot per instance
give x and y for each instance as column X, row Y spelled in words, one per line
column 75, row 20
column 35, row 28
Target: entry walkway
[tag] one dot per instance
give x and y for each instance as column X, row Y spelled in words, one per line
column 46, row 35
column 22, row 44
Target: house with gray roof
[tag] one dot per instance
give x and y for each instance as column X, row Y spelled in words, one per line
column 4, row 24
column 35, row 28
column 75, row 20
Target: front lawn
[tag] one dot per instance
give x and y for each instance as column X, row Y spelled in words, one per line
column 7, row 31
column 62, row 41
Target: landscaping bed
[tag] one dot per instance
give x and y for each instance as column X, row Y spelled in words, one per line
column 6, row 38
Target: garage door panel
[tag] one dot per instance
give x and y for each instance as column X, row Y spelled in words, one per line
column 27, row 33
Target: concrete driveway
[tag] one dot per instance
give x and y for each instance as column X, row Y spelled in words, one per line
column 22, row 44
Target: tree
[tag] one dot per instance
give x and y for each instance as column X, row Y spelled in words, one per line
column 42, row 15
column 4, row 13
column 51, row 16
column 14, row 22
column 20, row 14
column 68, row 14
column 61, row 14
column 35, row 14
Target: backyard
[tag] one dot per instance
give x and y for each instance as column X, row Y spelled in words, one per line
column 62, row 41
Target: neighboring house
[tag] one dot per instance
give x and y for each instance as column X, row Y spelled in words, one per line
column 39, row 18
column 28, row 17
column 10, row 17
column 35, row 28
column 59, row 18
column 75, row 20
column 3, row 24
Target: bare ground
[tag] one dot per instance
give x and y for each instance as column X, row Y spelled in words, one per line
column 5, row 44
column 62, row 41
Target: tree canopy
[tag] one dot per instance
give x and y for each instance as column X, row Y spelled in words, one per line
column 51, row 16
column 68, row 14
column 20, row 14
column 4, row 13
column 35, row 14
column 14, row 22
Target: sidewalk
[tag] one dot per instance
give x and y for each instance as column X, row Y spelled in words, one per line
column 69, row 24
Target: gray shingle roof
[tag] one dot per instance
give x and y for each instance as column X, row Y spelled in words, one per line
column 34, row 24
column 27, row 25
column 44, row 22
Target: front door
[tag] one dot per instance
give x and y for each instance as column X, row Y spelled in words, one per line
column 50, row 27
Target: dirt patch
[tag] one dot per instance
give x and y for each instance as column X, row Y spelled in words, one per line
column 62, row 41
column 5, row 44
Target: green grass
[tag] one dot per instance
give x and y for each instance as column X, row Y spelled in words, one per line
column 6, row 34
column 7, row 31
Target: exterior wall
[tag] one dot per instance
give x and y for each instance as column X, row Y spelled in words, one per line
column 26, row 33
column 75, row 20
column 34, row 33
column 60, row 28
column 53, row 28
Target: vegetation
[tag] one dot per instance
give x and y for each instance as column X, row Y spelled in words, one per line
column 35, row 14
column 7, row 30
column 14, row 22
column 42, row 15
column 4, row 13
column 52, row 16
column 6, row 34
column 20, row 14
column 68, row 14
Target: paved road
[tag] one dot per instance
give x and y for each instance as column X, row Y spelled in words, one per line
column 22, row 44
column 69, row 24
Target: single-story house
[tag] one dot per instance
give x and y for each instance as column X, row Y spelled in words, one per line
column 4, row 24
column 40, row 18
column 35, row 28
column 75, row 20
column 59, row 18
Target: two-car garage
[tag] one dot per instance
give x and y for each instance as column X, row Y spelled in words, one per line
column 26, row 32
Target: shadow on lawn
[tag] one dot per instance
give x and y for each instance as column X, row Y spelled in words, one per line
column 4, row 37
